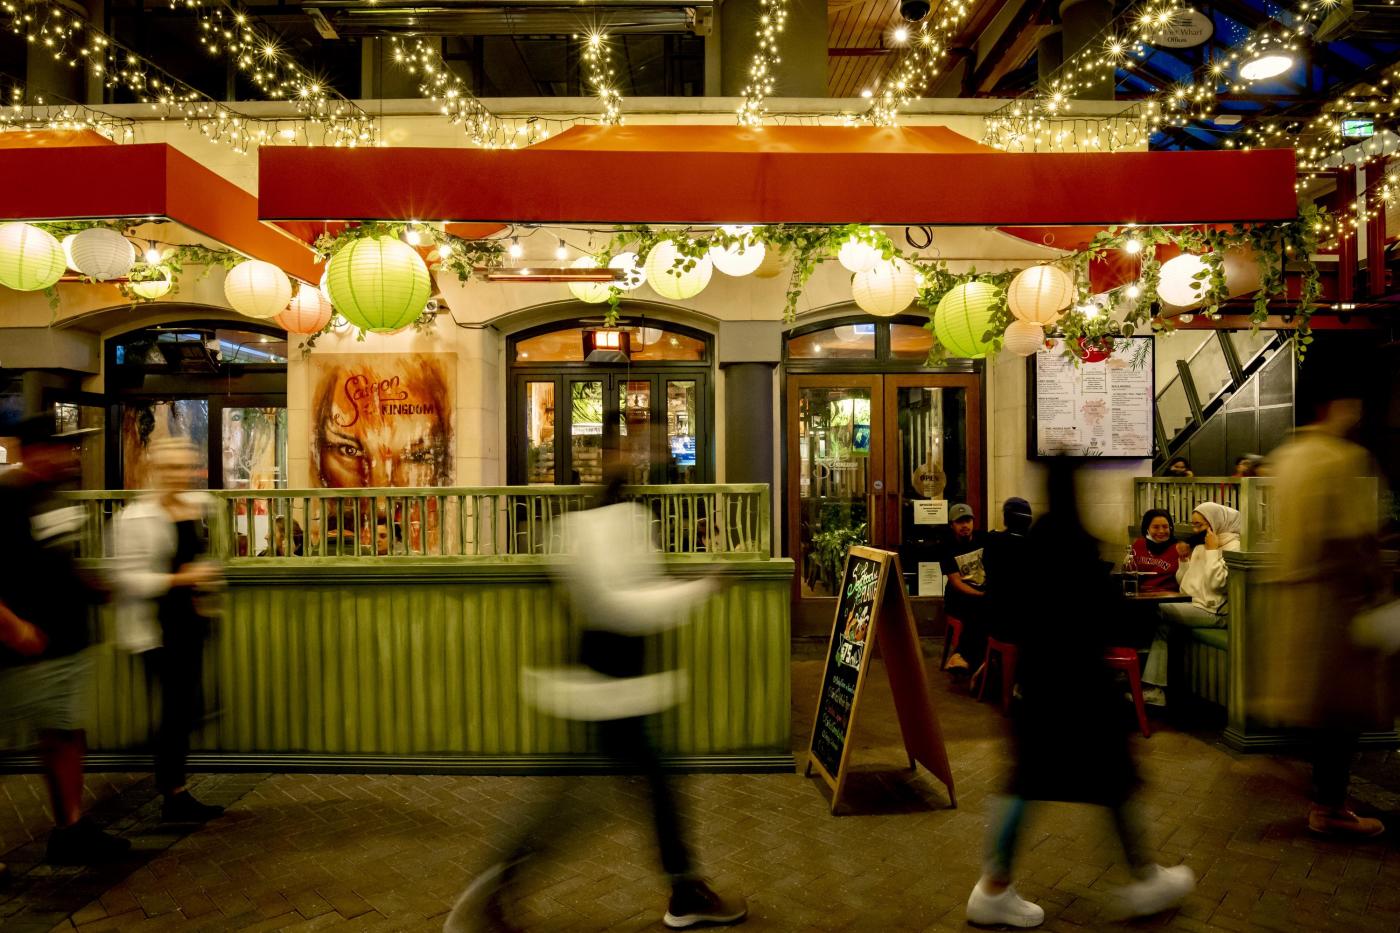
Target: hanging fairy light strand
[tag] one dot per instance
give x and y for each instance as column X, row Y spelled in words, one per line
column 455, row 100
column 918, row 66
column 597, row 60
column 80, row 46
column 772, row 20
column 22, row 112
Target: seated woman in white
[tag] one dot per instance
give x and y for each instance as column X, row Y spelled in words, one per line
column 1202, row 575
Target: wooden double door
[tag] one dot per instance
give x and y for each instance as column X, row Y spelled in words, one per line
column 876, row 459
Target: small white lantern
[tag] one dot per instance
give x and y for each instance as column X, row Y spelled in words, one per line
column 30, row 258
column 1040, row 294
column 668, row 275
column 858, row 254
column 309, row 312
column 257, row 289
column 1024, row 337
column 772, row 265
column 325, row 292
column 100, row 253
column 741, row 258
column 593, row 293
column 885, row 289
column 151, row 289
column 1178, row 285
column 634, row 274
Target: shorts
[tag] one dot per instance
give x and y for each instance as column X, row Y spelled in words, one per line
column 51, row 694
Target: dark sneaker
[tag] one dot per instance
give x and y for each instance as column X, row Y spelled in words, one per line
column 1343, row 824
column 84, row 844
column 184, row 808
column 696, row 904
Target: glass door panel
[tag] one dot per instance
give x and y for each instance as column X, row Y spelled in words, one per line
column 634, row 399
column 539, row 433
column 834, row 468
column 586, row 432
column 255, row 448
column 682, row 420
column 147, row 421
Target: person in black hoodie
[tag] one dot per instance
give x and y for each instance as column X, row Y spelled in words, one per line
column 1070, row 732
column 1007, row 551
column 45, row 629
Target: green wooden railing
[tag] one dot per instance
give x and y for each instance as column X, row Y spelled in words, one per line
column 488, row 521
column 1180, row 496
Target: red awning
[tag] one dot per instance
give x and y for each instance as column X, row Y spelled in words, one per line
column 155, row 180
column 730, row 174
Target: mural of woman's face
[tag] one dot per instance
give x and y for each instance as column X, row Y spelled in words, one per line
column 382, row 420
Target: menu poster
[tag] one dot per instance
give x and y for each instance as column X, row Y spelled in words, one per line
column 846, row 661
column 1093, row 409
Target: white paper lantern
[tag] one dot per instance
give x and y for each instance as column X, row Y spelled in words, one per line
column 100, row 253
column 1040, row 294
column 152, row 289
column 772, row 265
column 858, row 255
column 309, row 312
column 325, row 292
column 1024, row 337
column 634, row 274
column 742, row 258
column 885, row 289
column 591, row 292
column 30, row 258
column 1179, row 286
column 257, row 289
column 669, row 277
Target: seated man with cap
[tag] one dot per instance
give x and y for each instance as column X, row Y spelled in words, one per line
column 964, row 594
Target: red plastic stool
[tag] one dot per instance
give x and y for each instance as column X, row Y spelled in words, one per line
column 951, row 636
column 1007, row 652
column 1126, row 660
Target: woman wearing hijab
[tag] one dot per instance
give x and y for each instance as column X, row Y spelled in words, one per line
column 1202, row 575
column 1070, row 732
column 1155, row 553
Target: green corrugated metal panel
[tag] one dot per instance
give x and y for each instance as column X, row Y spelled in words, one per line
column 434, row 668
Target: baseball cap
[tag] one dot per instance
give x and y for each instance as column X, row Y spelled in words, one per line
column 1016, row 506
column 961, row 510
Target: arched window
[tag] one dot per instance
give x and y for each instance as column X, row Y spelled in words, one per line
column 584, row 396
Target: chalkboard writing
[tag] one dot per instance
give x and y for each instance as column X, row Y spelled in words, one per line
column 850, row 642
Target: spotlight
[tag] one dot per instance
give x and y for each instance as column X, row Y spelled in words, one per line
column 913, row 10
column 1267, row 63
column 900, row 34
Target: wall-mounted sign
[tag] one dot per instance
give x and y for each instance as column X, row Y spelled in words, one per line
column 1098, row 409
column 1187, row 30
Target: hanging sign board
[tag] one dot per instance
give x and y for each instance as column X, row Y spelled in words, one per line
column 1188, row 29
column 874, row 608
column 1092, row 409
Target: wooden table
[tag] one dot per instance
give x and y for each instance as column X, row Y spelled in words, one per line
column 1167, row 597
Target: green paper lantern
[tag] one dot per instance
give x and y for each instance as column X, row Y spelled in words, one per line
column 963, row 316
column 379, row 284
column 30, row 259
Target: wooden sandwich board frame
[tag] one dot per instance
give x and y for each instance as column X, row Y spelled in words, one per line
column 890, row 626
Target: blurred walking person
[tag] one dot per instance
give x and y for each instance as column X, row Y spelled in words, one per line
column 1070, row 732
column 615, row 580
column 163, row 578
column 46, row 628
column 1313, row 676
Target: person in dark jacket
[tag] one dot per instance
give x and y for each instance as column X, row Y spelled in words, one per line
column 1070, row 733
column 1007, row 551
column 45, row 629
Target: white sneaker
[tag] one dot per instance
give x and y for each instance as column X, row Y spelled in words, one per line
column 1160, row 889
column 471, row 911
column 1153, row 696
column 1007, row 908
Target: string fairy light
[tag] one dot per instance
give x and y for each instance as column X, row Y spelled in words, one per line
column 772, row 20
column 597, row 58
column 918, row 65
column 46, row 112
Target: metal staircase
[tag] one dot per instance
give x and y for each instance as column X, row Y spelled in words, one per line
column 1195, row 398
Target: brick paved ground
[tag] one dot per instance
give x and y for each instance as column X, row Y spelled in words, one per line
column 313, row 852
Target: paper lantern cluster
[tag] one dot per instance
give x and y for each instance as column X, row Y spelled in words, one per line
column 308, row 313
column 379, row 284
column 675, row 276
column 963, row 317
column 30, row 258
column 886, row 288
column 741, row 258
column 257, row 289
column 1040, row 294
column 100, row 253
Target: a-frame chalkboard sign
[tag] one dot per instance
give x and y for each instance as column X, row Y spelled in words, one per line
column 873, row 608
